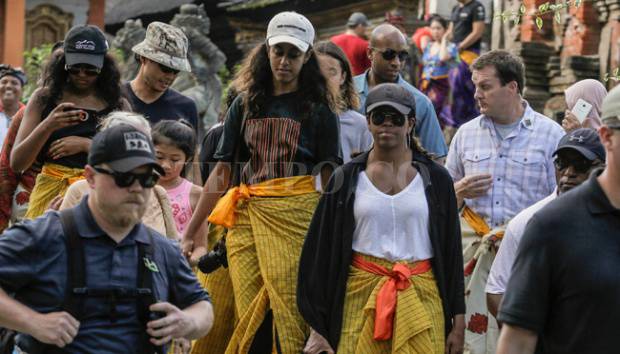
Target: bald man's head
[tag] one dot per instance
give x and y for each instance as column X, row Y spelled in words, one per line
column 387, row 53
column 386, row 32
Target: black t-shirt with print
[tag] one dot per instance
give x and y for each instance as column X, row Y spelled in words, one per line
column 282, row 141
column 565, row 281
column 463, row 19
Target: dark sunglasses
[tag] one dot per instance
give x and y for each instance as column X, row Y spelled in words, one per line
column 390, row 54
column 167, row 70
column 89, row 70
column 126, row 179
column 579, row 165
column 379, row 117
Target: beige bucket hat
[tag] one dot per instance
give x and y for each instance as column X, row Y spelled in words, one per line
column 166, row 45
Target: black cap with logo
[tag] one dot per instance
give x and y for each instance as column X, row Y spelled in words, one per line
column 392, row 95
column 585, row 141
column 85, row 44
column 123, row 148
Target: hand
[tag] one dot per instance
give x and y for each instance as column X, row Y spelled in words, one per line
column 181, row 346
column 196, row 254
column 176, row 324
column 57, row 328
column 187, row 246
column 59, row 118
column 473, row 186
column 570, row 122
column 455, row 340
column 68, row 146
column 317, row 344
column 55, row 203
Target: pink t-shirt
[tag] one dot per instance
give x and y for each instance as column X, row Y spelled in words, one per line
column 181, row 205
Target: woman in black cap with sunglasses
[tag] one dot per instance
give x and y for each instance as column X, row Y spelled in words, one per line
column 62, row 116
column 381, row 270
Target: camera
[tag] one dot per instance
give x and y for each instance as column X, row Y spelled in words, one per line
column 216, row 258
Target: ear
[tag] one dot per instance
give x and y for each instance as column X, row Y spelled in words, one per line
column 605, row 134
column 308, row 55
column 369, row 53
column 89, row 174
column 514, row 86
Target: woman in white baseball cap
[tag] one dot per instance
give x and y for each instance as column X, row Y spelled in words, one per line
column 279, row 132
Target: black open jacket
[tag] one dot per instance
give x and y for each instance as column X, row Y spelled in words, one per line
column 327, row 252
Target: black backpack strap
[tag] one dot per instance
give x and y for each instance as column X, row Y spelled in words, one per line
column 146, row 290
column 76, row 265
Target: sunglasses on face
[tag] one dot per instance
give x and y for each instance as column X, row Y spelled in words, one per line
column 167, row 70
column 579, row 165
column 390, row 54
column 378, row 118
column 126, row 179
column 88, row 70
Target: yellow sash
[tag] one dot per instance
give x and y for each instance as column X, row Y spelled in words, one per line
column 477, row 223
column 224, row 212
column 468, row 56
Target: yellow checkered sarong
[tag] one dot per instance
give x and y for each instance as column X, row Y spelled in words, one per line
column 417, row 329
column 219, row 287
column 51, row 182
column 264, row 247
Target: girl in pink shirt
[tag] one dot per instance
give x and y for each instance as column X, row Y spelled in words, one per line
column 175, row 143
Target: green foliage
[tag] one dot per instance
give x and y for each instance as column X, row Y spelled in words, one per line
column 34, row 60
column 614, row 76
column 543, row 9
column 226, row 77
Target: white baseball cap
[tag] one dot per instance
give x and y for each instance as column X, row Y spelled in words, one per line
column 290, row 27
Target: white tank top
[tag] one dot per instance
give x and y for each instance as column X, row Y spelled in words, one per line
column 392, row 227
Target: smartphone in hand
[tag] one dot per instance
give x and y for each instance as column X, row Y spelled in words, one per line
column 581, row 110
column 82, row 113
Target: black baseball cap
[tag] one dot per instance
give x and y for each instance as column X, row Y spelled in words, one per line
column 123, row 148
column 392, row 95
column 585, row 141
column 85, row 44
column 358, row 18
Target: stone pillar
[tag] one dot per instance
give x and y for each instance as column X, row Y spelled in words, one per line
column 529, row 29
column 583, row 32
column 96, row 13
column 13, row 28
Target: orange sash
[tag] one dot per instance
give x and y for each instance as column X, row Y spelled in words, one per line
column 224, row 211
column 386, row 298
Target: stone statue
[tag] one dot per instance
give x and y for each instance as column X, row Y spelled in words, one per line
column 203, row 84
column 131, row 34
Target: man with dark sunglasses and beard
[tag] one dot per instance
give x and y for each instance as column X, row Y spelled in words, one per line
column 387, row 52
column 93, row 278
column 162, row 55
column 579, row 153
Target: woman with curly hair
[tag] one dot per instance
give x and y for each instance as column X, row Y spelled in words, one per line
column 281, row 131
column 355, row 137
column 61, row 117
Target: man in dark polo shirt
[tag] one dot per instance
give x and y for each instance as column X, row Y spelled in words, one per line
column 565, row 284
column 95, row 279
column 162, row 54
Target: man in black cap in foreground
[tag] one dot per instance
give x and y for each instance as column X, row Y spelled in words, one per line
column 565, row 280
column 95, row 279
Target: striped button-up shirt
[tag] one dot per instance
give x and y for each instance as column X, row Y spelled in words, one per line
column 521, row 164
